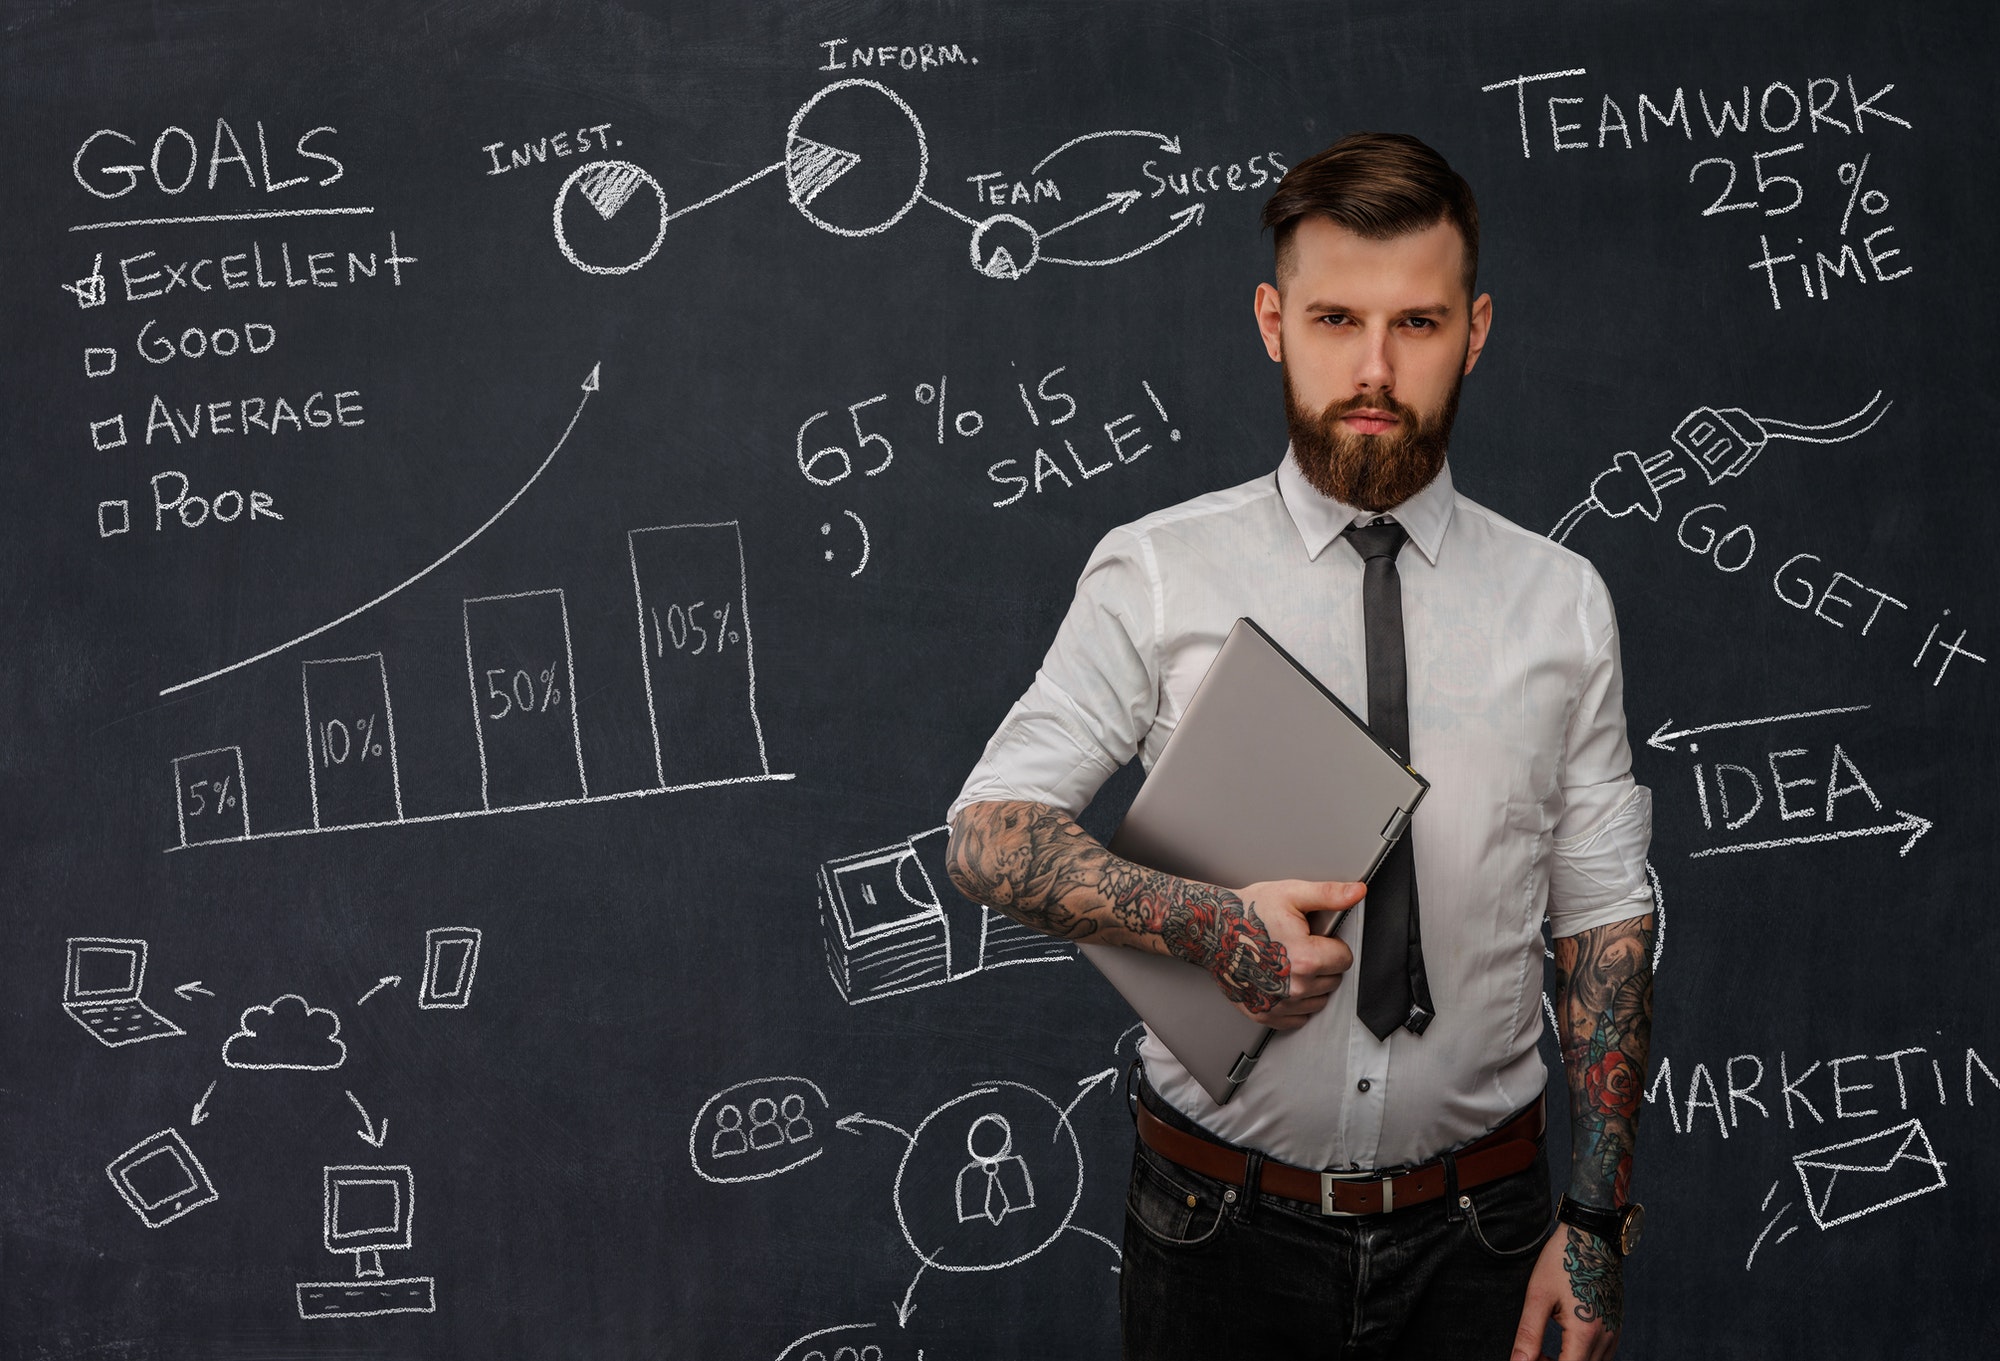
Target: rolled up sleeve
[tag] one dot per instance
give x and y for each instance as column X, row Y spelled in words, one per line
column 1094, row 698
column 1597, row 873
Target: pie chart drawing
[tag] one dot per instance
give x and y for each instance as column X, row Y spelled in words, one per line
column 855, row 158
column 604, row 223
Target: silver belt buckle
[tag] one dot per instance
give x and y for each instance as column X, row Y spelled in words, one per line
column 1326, row 1184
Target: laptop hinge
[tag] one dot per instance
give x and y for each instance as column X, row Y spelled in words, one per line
column 1240, row 1070
column 1393, row 829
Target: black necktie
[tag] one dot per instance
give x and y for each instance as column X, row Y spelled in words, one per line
column 1394, row 991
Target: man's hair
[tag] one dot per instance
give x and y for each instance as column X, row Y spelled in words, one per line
column 1378, row 185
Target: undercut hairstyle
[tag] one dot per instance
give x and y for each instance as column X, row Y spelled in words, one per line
column 1377, row 185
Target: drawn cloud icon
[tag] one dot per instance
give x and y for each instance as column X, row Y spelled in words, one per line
column 289, row 1032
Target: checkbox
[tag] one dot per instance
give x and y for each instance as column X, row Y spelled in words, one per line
column 108, row 433
column 107, row 511
column 99, row 361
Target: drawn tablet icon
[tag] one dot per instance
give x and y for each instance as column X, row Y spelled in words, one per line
column 160, row 1178
column 451, row 959
column 759, row 1128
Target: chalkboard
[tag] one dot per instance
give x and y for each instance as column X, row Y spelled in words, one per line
column 521, row 517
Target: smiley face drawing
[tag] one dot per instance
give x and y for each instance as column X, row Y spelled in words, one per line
column 827, row 529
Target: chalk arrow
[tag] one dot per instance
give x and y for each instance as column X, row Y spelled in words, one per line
column 1088, row 1085
column 1905, row 822
column 390, row 980
column 590, row 383
column 199, row 1113
column 1186, row 217
column 908, row 1307
column 851, row 1124
column 368, row 1133
column 1666, row 734
column 1170, row 145
column 1121, row 199
column 186, row 991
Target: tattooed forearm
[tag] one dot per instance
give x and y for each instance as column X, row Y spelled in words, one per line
column 1604, row 1010
column 1035, row 864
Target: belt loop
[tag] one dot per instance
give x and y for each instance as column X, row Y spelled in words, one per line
column 1253, row 1176
column 1131, row 1092
column 1453, row 1212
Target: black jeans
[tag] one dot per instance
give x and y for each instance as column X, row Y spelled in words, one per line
column 1210, row 1272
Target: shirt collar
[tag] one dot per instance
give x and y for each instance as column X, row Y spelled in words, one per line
column 1321, row 519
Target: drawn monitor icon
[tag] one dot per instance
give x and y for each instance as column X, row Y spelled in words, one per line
column 368, row 1210
column 451, row 958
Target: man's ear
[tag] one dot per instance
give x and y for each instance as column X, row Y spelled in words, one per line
column 1482, row 323
column 1269, row 309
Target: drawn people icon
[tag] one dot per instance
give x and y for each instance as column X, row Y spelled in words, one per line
column 729, row 1137
column 996, row 1182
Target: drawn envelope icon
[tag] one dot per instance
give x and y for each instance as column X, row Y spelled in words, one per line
column 1848, row 1180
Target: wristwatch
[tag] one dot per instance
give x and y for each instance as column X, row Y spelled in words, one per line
column 1620, row 1228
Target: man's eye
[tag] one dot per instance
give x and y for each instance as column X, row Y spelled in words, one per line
column 1335, row 317
column 1421, row 323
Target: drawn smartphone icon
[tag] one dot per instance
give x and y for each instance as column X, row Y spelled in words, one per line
column 160, row 1178
column 451, row 958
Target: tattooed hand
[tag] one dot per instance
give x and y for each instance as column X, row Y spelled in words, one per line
column 1579, row 1283
column 1035, row 864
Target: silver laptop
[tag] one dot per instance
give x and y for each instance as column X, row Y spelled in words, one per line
column 1268, row 776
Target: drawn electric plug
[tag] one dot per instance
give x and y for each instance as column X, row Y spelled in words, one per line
column 1721, row 443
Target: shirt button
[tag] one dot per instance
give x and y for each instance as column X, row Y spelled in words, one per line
column 1362, row 1085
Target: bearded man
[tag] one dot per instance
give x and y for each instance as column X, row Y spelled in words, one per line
column 1391, row 1198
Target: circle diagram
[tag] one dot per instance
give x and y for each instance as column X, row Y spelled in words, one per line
column 600, row 229
column 1005, row 247
column 990, row 1179
column 855, row 158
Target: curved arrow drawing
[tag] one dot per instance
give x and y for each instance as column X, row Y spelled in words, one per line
column 589, row 386
column 370, row 1133
column 1191, row 214
column 1171, row 145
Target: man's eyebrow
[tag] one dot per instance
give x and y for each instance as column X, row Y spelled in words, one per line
column 1438, row 310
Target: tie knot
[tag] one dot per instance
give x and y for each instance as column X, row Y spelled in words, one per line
column 1383, row 539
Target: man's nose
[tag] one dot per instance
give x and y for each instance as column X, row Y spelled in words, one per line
column 1375, row 373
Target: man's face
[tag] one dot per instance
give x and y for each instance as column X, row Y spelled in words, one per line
column 1375, row 338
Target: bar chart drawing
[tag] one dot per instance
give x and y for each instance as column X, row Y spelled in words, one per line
column 351, row 742
column 691, row 595
column 694, row 644
column 524, row 708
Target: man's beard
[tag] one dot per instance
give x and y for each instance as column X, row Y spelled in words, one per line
column 1370, row 472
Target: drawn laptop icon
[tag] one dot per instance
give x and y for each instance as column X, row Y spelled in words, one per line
column 101, row 990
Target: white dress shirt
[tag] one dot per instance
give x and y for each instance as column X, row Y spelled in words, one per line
column 1516, row 718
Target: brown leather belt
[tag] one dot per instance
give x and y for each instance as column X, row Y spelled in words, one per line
column 1507, row 1150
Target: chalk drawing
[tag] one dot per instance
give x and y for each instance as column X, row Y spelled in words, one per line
column 772, row 1124
column 1857, row 1177
column 1720, row 444
column 160, row 1178
column 102, row 980
column 451, row 959
column 827, row 528
column 590, row 385
column 286, row 1032
column 367, row 1210
column 892, row 923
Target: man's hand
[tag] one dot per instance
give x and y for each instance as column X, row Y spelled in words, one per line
column 1579, row 1282
column 1272, row 966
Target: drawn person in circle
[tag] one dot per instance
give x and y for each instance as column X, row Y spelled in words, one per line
column 996, row 1182
column 729, row 1139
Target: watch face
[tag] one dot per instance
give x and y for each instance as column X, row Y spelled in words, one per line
column 1629, row 1231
